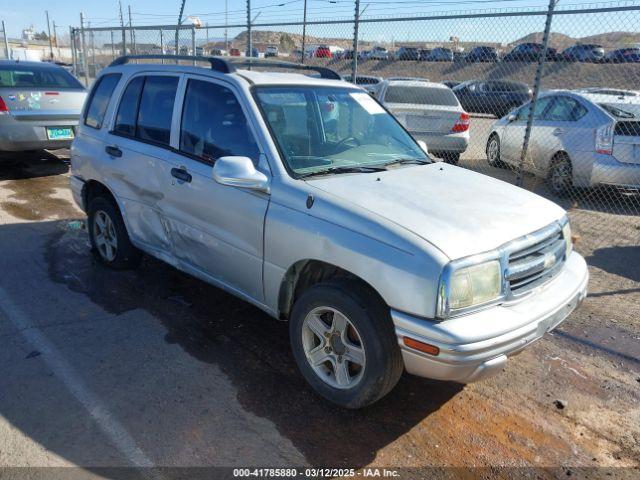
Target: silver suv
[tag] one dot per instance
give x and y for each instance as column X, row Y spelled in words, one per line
column 303, row 196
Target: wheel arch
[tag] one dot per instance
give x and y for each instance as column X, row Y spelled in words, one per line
column 303, row 274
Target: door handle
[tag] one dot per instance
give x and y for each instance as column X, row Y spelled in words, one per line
column 181, row 174
column 558, row 131
column 113, row 151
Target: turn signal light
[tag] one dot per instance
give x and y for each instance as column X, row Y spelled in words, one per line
column 462, row 125
column 420, row 346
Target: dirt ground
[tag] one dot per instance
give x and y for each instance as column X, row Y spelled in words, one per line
column 186, row 375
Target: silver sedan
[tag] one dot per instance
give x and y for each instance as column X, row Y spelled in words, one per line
column 40, row 105
column 579, row 139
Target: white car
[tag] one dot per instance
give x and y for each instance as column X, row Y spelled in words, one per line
column 431, row 112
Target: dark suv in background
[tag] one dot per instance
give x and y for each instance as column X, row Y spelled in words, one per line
column 482, row 54
column 529, row 52
column 408, row 53
column 584, row 53
column 496, row 97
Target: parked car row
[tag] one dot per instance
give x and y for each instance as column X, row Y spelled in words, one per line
column 524, row 52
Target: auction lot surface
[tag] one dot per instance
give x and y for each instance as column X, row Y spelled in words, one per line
column 154, row 368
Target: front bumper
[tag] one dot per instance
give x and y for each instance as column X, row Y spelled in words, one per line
column 477, row 345
column 609, row 171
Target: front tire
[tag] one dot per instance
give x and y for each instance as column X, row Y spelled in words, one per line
column 493, row 151
column 110, row 242
column 344, row 343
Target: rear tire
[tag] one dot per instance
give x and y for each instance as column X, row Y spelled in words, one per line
column 560, row 178
column 344, row 343
column 110, row 243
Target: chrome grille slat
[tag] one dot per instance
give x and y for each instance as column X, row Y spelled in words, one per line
column 534, row 259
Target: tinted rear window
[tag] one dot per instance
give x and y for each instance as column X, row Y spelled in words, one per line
column 156, row 109
column 99, row 100
column 28, row 76
column 421, row 96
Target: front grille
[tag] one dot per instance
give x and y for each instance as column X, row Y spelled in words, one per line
column 535, row 259
column 627, row 129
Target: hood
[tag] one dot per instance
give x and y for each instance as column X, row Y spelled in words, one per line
column 459, row 211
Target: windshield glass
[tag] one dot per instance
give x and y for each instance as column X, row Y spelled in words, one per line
column 27, row 76
column 421, row 95
column 322, row 128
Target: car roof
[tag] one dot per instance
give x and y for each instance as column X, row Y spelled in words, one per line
column 29, row 63
column 415, row 83
column 254, row 77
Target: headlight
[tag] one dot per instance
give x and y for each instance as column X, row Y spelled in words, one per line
column 566, row 234
column 469, row 286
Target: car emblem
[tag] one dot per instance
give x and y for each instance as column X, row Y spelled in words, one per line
column 54, row 100
column 549, row 260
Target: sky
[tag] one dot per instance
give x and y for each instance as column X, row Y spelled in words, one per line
column 152, row 12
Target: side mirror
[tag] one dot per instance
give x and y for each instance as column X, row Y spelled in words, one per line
column 511, row 117
column 423, row 146
column 240, row 172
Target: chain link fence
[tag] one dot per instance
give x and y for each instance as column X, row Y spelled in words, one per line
column 577, row 143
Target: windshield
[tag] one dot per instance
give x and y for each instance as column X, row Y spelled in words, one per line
column 323, row 128
column 421, row 95
column 27, row 76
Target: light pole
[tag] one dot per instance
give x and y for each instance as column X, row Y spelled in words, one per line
column 46, row 12
column 178, row 27
column 304, row 31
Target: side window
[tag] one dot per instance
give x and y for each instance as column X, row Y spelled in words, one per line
column 128, row 109
column 541, row 106
column 213, row 123
column 99, row 101
column 156, row 109
column 565, row 109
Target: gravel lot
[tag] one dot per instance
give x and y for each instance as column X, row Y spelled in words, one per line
column 154, row 368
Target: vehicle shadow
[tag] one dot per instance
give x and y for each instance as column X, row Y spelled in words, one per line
column 619, row 260
column 252, row 349
column 32, row 164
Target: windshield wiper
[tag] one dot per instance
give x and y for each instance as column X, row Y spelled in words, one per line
column 406, row 161
column 343, row 169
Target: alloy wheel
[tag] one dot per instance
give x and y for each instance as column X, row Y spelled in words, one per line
column 104, row 235
column 333, row 347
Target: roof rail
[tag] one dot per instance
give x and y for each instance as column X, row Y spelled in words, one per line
column 228, row 65
column 217, row 64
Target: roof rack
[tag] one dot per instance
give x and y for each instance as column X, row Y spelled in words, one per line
column 229, row 65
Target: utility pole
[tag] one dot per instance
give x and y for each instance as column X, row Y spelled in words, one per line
column 55, row 35
column 249, row 43
column 178, row 27
column 84, row 51
column 304, row 31
column 133, row 34
column 124, row 35
column 46, row 12
column 6, row 41
column 226, row 26
column 354, row 61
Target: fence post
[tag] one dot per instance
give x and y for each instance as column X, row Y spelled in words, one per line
column 132, row 34
column 536, row 91
column 304, row 31
column 113, row 47
column 249, row 43
column 162, row 46
column 72, row 42
column 46, row 12
column 124, row 34
column 6, row 41
column 354, row 60
column 83, row 49
column 193, row 42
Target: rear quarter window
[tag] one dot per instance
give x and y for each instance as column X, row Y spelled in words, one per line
column 99, row 100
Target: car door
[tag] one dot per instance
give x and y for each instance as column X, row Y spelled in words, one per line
column 558, row 129
column 513, row 136
column 216, row 230
column 136, row 150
